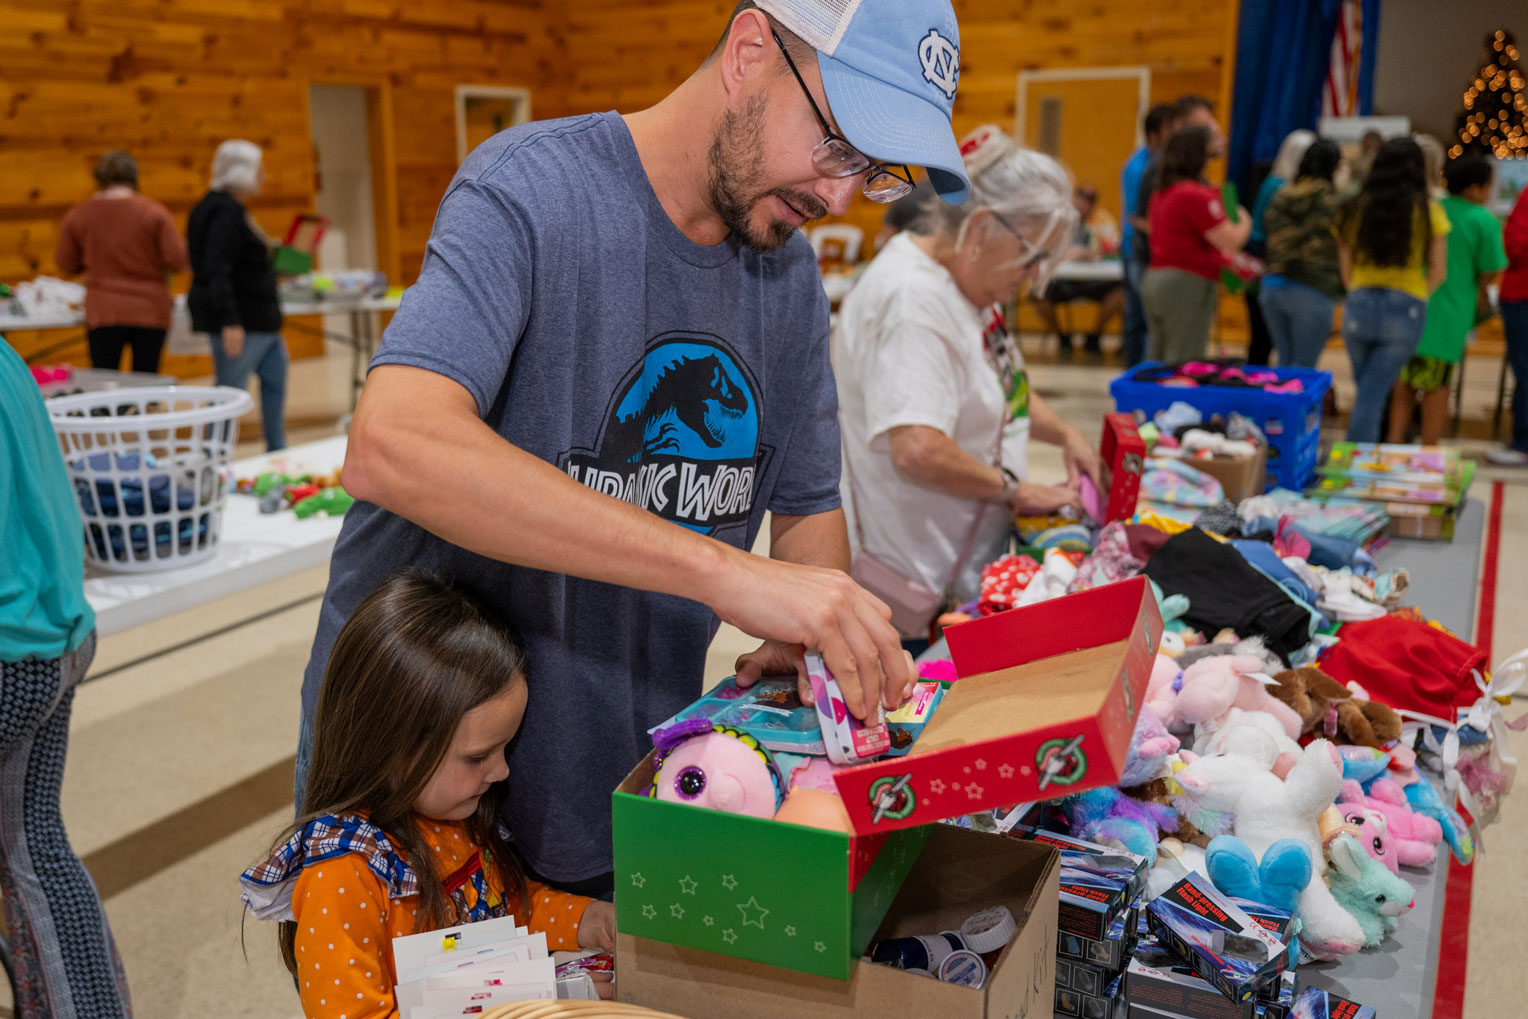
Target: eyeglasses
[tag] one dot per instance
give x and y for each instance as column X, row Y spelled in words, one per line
column 835, row 157
column 1033, row 256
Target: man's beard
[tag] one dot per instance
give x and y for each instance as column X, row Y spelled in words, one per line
column 737, row 180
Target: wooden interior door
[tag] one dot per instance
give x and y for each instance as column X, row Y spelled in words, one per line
column 1089, row 123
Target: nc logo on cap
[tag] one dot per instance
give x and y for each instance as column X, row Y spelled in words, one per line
column 941, row 62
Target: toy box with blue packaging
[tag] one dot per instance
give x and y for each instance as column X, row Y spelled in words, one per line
column 1222, row 943
column 1045, row 703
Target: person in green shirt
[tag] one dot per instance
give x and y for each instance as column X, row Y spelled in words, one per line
column 1475, row 261
column 62, row 946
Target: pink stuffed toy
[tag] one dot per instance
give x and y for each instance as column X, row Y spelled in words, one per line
column 1365, row 824
column 1416, row 837
column 1212, row 686
column 1160, row 694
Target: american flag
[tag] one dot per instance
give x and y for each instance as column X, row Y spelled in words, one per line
column 1339, row 96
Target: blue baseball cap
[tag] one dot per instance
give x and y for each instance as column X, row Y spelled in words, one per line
column 889, row 70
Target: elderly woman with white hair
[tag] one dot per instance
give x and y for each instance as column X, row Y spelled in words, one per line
column 233, row 287
column 935, row 406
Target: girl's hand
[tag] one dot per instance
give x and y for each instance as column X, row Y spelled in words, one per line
column 597, row 928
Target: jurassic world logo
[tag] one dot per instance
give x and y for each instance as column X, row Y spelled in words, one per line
column 680, row 437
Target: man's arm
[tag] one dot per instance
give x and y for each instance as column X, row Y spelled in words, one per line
column 418, row 448
column 817, row 540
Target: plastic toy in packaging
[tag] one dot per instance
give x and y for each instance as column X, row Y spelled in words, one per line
column 846, row 738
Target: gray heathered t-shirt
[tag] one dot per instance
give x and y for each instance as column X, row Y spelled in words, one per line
column 693, row 381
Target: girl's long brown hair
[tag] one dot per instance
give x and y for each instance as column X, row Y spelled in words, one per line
column 414, row 658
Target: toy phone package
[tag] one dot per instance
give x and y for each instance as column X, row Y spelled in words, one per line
column 847, row 739
column 1224, row 945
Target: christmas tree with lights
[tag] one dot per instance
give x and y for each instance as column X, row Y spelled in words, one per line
column 1494, row 121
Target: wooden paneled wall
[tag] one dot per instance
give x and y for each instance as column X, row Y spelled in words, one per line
column 625, row 55
column 169, row 79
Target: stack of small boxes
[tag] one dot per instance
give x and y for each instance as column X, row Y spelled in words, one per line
column 1203, row 955
column 1100, row 910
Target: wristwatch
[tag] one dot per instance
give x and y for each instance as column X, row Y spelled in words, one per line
column 1010, row 486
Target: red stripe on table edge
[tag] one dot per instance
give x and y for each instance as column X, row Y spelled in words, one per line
column 1454, row 942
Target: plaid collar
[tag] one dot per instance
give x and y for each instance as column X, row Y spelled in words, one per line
column 268, row 885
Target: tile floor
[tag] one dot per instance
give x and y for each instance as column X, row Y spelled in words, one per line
column 182, row 740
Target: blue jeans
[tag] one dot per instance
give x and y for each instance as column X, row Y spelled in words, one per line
column 265, row 354
column 1381, row 328
column 1514, row 320
column 1299, row 319
column 1132, row 348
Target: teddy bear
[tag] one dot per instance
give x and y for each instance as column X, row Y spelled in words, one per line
column 1327, row 708
column 1267, row 810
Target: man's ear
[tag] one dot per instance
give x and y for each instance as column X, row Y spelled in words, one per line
column 748, row 52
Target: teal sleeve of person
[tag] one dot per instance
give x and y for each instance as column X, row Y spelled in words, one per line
column 43, row 611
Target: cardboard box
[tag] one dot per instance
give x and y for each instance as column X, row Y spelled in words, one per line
column 1110, row 952
column 959, row 873
column 1239, row 478
column 1158, row 980
column 1046, row 704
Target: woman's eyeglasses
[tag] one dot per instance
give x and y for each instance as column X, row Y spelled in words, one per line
column 835, row 157
column 1033, row 256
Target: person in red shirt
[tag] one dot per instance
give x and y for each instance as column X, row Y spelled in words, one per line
column 1514, row 318
column 1191, row 238
column 126, row 245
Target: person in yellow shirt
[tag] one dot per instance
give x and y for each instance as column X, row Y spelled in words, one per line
column 422, row 693
column 1393, row 251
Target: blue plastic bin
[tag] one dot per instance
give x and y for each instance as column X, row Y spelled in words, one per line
column 1292, row 421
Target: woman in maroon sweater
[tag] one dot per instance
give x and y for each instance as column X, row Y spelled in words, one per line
column 126, row 245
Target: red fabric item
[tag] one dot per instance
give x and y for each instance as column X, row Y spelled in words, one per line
column 1514, row 282
column 1180, row 216
column 1409, row 665
column 1144, row 540
column 1003, row 580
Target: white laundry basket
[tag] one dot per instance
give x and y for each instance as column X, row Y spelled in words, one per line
column 150, row 470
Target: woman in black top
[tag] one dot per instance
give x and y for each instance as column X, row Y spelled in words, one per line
column 233, row 287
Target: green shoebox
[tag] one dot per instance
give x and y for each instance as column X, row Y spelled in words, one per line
column 803, row 898
column 1045, row 706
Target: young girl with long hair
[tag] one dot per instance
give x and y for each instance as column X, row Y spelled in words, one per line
column 1393, row 252
column 399, row 831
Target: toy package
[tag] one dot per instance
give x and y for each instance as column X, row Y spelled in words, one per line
column 1223, row 944
column 1125, row 867
column 1091, row 901
column 1111, row 951
column 905, row 724
column 1315, row 1003
column 847, row 739
column 770, row 711
column 1088, row 992
column 1158, row 982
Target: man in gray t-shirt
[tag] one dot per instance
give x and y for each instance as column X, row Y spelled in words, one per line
column 614, row 362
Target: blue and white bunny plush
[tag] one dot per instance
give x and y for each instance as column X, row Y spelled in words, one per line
column 1365, row 888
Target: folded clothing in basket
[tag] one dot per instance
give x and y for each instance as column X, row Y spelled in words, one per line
column 102, row 491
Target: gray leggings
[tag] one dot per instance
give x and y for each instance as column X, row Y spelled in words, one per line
column 67, row 965
column 1180, row 309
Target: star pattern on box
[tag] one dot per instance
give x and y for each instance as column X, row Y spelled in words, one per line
column 819, row 947
column 687, row 885
column 790, row 932
column 729, row 935
column 753, row 913
column 707, row 921
column 1005, row 771
column 649, row 912
column 966, row 769
column 974, row 791
column 729, row 882
column 637, row 880
column 981, row 765
column 676, row 911
column 936, row 786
